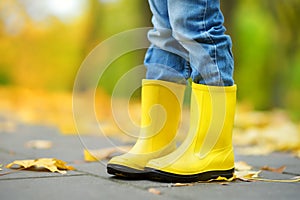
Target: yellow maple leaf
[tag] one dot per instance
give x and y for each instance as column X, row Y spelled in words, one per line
column 246, row 175
column 219, row 179
column 52, row 164
column 272, row 169
column 23, row 163
column 63, row 165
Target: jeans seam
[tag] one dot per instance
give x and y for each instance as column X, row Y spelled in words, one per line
column 212, row 41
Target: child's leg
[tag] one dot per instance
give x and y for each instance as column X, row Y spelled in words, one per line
column 207, row 151
column 160, row 101
column 198, row 26
column 166, row 59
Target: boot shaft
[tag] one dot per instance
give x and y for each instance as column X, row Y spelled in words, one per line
column 212, row 116
column 161, row 113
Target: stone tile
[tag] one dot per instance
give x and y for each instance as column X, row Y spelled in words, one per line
column 73, row 187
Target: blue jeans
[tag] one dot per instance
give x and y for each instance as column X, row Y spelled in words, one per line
column 188, row 40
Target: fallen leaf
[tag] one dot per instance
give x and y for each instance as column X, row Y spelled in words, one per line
column 221, row 178
column 181, row 184
column 52, row 164
column 36, row 106
column 154, row 191
column 250, row 176
column 23, row 163
column 261, row 133
column 241, row 166
column 272, row 169
column 246, row 175
column 101, row 154
column 250, row 118
column 277, row 180
column 246, row 137
column 39, row 144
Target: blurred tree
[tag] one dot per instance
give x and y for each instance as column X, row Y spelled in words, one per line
column 286, row 15
column 40, row 53
column 253, row 47
column 107, row 18
column 228, row 7
column 266, row 41
column 46, row 52
column 95, row 17
column 12, row 19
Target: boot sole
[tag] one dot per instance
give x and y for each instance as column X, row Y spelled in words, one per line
column 126, row 172
column 161, row 176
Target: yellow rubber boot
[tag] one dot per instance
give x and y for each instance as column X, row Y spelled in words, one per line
column 160, row 119
column 207, row 151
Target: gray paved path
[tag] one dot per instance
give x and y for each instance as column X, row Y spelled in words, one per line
column 90, row 180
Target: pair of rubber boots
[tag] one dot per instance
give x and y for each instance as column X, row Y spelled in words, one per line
column 206, row 153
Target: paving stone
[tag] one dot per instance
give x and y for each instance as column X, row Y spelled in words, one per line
column 74, row 187
column 99, row 169
column 236, row 190
column 90, row 180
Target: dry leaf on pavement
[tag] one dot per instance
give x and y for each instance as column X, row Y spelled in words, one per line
column 52, row 164
column 246, row 175
column 261, row 133
column 181, row 184
column 292, row 180
column 249, row 176
column 272, row 169
column 154, row 191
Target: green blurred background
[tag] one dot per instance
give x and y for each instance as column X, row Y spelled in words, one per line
column 43, row 43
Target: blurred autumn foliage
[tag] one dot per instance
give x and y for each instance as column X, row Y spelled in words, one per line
column 43, row 44
column 43, row 49
column 266, row 46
